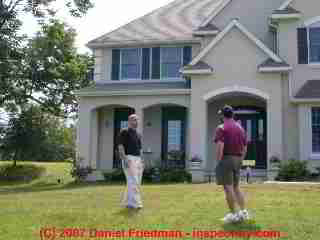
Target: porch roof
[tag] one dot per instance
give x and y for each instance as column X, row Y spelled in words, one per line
column 311, row 89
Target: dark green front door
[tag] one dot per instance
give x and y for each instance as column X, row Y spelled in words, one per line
column 255, row 126
column 120, row 121
column 173, row 136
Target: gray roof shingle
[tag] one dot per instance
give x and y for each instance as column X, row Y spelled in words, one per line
column 175, row 21
column 311, row 89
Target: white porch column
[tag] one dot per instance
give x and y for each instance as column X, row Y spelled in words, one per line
column 139, row 111
column 88, row 137
column 274, row 130
column 198, row 135
column 94, row 139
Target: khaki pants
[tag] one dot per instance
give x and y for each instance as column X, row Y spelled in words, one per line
column 133, row 171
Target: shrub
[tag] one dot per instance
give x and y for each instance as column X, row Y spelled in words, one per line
column 174, row 175
column 116, row 176
column 293, row 170
column 150, row 175
column 23, row 172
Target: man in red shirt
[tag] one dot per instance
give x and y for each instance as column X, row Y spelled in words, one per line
column 231, row 150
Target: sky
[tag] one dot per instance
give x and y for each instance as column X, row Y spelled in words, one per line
column 104, row 17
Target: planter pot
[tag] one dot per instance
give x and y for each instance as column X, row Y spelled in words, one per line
column 195, row 165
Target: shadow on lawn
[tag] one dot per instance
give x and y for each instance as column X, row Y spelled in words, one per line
column 247, row 226
column 48, row 186
column 129, row 212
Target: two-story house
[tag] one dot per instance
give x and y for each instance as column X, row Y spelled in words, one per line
column 176, row 66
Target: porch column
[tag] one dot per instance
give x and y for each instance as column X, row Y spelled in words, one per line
column 274, row 129
column 139, row 112
column 88, row 137
column 198, row 130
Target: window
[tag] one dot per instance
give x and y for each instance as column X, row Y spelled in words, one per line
column 314, row 44
column 130, row 64
column 274, row 34
column 315, row 112
column 171, row 62
column 149, row 63
column 174, row 135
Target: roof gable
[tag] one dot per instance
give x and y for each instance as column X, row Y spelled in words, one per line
column 175, row 21
column 222, row 34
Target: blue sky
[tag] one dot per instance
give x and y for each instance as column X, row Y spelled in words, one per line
column 104, row 17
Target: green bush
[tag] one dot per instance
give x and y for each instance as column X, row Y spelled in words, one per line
column 293, row 170
column 174, row 175
column 23, row 172
column 152, row 175
column 116, row 176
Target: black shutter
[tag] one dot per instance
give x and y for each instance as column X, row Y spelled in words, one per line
column 302, row 46
column 156, row 63
column 187, row 55
column 115, row 71
column 145, row 63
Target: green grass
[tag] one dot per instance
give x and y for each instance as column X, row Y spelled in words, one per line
column 26, row 208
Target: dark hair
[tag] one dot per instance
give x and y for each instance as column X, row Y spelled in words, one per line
column 227, row 111
column 228, row 114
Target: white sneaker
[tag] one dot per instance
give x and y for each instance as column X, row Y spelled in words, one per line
column 231, row 218
column 243, row 215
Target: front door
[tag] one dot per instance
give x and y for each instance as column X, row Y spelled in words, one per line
column 254, row 123
column 120, row 121
column 173, row 136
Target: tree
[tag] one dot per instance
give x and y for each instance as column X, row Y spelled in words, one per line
column 49, row 71
column 32, row 70
column 54, row 69
column 38, row 136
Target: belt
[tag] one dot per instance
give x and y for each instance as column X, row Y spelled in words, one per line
column 233, row 154
column 136, row 155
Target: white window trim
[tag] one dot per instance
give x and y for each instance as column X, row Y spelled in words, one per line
column 313, row 155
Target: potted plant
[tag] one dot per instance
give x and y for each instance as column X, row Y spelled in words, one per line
column 275, row 162
column 196, row 161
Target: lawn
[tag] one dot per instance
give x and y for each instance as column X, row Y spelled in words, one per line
column 44, row 203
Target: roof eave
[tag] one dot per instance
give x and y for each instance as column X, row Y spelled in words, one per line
column 197, row 72
column 304, row 100
column 205, row 33
column 142, row 42
column 274, row 69
column 277, row 16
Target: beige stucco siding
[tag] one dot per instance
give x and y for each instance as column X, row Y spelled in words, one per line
column 152, row 134
column 288, row 44
column 234, row 60
column 252, row 14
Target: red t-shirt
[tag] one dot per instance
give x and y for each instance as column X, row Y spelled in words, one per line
column 233, row 136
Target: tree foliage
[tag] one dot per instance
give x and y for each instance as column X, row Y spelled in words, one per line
column 45, row 69
column 38, row 136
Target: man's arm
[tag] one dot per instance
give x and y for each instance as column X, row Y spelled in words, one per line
column 244, row 152
column 220, row 147
column 122, row 153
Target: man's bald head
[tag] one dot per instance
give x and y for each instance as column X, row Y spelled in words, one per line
column 133, row 121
